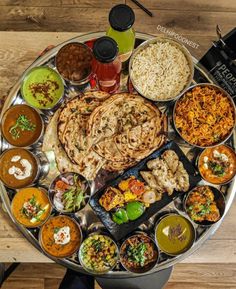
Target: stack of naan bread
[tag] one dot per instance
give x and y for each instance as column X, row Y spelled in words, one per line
column 97, row 131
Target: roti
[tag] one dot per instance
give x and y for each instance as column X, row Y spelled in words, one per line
column 97, row 131
column 119, row 113
column 51, row 142
column 79, row 105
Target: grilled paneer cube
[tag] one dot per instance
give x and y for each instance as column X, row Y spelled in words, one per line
column 111, row 199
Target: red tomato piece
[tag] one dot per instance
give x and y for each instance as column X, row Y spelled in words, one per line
column 136, row 187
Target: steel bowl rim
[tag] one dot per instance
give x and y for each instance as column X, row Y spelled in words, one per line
column 156, row 247
column 177, row 44
column 72, row 82
column 42, row 126
column 54, row 71
column 38, row 169
column 79, row 230
column 90, row 186
column 188, row 220
column 96, row 272
column 212, row 188
column 50, row 211
column 223, row 92
column 199, row 156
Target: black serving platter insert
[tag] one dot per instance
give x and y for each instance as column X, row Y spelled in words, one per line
column 120, row 231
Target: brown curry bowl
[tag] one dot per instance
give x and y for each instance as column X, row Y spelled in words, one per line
column 21, row 108
column 147, row 267
column 219, row 200
column 8, row 181
column 85, row 79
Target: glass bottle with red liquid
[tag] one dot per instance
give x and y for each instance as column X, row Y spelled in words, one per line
column 106, row 65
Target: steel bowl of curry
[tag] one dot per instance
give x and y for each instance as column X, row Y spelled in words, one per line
column 42, row 87
column 98, row 254
column 204, row 116
column 205, row 205
column 139, row 253
column 19, row 168
column 217, row 165
column 22, row 125
column 60, row 236
column 31, row 207
column 74, row 63
column 174, row 234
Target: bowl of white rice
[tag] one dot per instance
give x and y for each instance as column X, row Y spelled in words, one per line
column 161, row 69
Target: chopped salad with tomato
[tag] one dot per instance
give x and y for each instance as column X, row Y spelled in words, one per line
column 69, row 193
column 129, row 201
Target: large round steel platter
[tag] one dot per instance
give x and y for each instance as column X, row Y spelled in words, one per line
column 87, row 218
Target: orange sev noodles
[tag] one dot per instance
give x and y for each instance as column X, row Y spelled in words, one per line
column 204, row 116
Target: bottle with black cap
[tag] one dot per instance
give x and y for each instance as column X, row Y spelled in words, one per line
column 121, row 18
column 106, row 65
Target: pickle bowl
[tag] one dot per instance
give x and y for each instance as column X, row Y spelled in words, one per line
column 63, row 70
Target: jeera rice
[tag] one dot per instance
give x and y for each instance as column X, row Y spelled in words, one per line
column 160, row 71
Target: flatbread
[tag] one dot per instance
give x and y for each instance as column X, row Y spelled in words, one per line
column 97, row 131
column 119, row 113
column 51, row 142
column 84, row 104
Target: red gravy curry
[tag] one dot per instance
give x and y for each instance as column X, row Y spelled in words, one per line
column 217, row 165
column 60, row 236
column 18, row 168
column 21, row 125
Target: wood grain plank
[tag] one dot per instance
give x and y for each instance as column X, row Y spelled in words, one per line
column 39, row 271
column 93, row 3
column 181, row 285
column 214, row 251
column 66, row 19
column 184, row 276
column 59, row 3
column 7, row 228
column 51, row 283
column 20, row 250
column 31, row 3
column 24, row 283
column 185, row 5
column 182, row 272
column 214, row 273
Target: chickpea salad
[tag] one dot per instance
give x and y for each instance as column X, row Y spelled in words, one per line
column 98, row 254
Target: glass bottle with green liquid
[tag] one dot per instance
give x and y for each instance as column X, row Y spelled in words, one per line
column 121, row 18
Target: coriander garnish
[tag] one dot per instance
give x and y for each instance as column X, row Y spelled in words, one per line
column 22, row 124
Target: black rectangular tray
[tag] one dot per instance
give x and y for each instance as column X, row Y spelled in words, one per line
column 120, row 231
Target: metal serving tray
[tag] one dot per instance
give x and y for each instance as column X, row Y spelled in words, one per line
column 87, row 218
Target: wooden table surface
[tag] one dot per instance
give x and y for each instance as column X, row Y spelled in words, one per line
column 27, row 27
